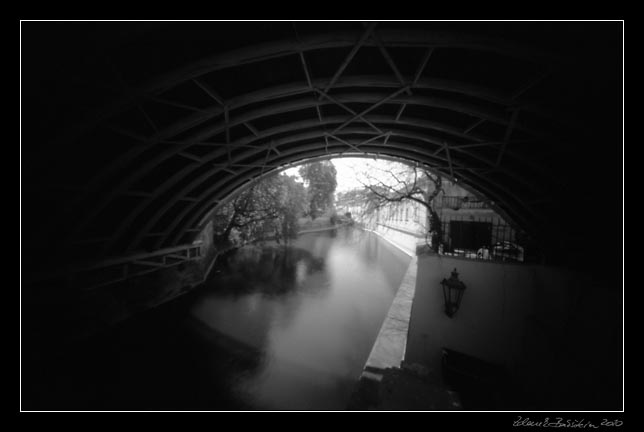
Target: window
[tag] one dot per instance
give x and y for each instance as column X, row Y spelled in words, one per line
column 470, row 235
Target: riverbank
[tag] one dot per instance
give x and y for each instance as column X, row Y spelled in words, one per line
column 390, row 381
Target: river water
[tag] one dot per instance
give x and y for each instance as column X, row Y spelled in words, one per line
column 273, row 328
column 306, row 316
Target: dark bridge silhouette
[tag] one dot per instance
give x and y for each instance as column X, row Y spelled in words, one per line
column 133, row 132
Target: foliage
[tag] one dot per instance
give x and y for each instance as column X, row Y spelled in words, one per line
column 293, row 206
column 269, row 208
column 320, row 178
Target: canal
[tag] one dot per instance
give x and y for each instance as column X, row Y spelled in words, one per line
column 273, row 328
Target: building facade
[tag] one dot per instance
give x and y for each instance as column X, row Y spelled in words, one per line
column 470, row 227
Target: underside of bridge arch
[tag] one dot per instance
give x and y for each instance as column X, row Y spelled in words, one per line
column 132, row 132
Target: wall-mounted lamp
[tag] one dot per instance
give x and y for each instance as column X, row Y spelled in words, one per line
column 453, row 290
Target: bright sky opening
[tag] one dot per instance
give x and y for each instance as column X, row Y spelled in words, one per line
column 350, row 171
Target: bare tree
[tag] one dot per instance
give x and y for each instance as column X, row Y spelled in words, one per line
column 398, row 183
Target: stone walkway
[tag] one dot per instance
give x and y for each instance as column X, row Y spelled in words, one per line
column 390, row 383
column 389, row 348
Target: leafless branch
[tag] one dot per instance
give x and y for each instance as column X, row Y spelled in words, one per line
column 405, row 186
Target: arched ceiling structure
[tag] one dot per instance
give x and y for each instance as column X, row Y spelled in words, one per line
column 132, row 132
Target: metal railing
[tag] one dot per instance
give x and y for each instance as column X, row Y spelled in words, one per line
column 111, row 271
column 484, row 239
column 459, row 202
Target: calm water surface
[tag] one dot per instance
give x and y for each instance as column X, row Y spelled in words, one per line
column 274, row 328
column 304, row 317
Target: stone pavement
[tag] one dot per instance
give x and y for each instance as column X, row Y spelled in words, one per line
column 388, row 382
column 389, row 348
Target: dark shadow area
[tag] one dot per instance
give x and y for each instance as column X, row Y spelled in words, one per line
column 154, row 361
column 481, row 385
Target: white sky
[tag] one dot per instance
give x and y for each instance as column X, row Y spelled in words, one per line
column 349, row 170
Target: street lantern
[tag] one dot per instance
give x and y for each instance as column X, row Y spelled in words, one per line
column 453, row 290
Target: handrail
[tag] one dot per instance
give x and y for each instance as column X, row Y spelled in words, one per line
column 192, row 252
column 138, row 257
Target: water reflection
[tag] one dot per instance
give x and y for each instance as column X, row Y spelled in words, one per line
column 303, row 317
column 271, row 270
